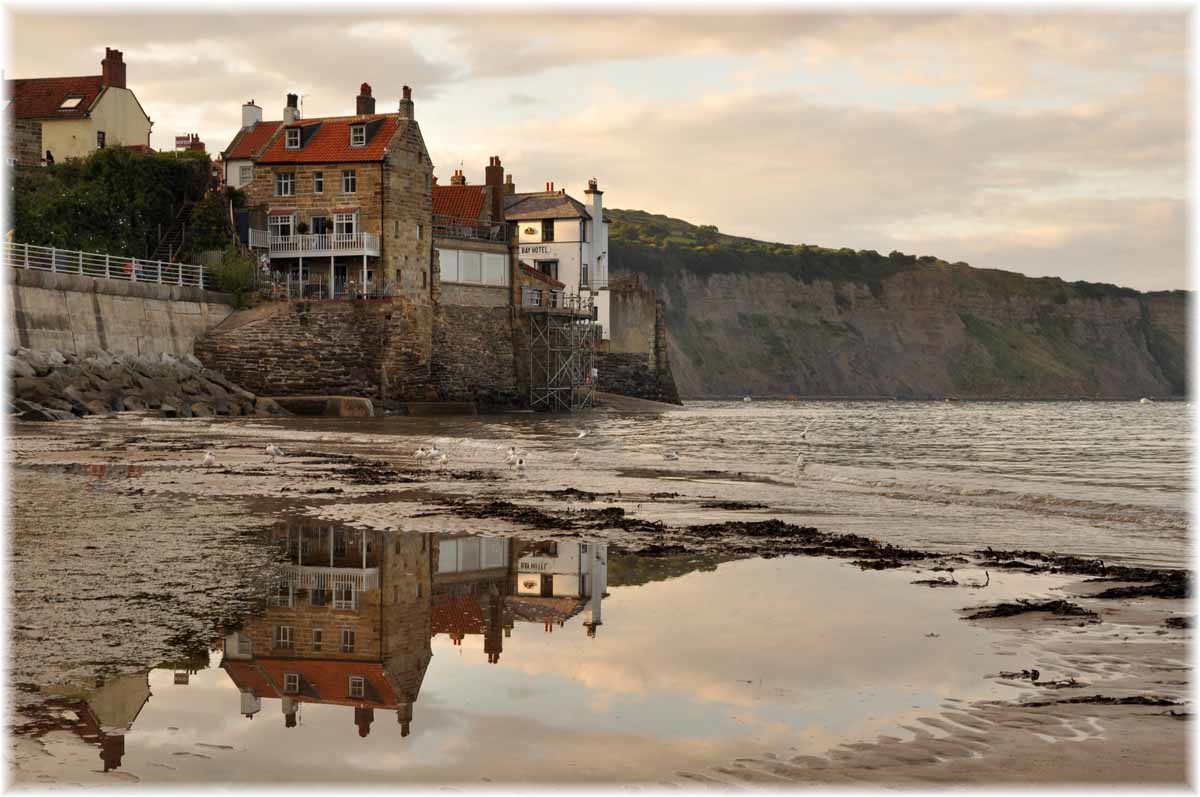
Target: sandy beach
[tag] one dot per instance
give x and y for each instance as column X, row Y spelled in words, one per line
column 167, row 555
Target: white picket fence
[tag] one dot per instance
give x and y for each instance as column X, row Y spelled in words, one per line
column 93, row 264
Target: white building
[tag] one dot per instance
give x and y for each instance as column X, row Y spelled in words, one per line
column 564, row 238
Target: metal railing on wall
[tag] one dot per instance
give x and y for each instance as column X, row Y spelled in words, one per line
column 101, row 266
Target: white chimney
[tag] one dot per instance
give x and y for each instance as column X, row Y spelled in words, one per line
column 251, row 115
column 291, row 113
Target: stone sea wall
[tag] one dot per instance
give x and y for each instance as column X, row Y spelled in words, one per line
column 474, row 356
column 82, row 315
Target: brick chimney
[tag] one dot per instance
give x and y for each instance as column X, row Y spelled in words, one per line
column 458, row 178
column 291, row 113
column 406, row 104
column 493, row 177
column 112, row 69
column 509, row 186
column 364, row 102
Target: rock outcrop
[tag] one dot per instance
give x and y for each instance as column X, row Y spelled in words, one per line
column 50, row 386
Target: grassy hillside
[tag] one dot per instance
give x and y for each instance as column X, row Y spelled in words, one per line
column 810, row 320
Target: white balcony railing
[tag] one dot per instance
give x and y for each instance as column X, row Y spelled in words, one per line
column 113, row 267
column 338, row 243
column 329, row 578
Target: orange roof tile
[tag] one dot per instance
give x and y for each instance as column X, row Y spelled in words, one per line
column 248, row 143
column 321, row 680
column 330, row 143
column 40, row 97
column 457, row 614
column 459, row 201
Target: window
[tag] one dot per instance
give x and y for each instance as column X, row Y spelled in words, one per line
column 293, row 138
column 282, row 595
column 347, row 641
column 548, row 267
column 245, row 174
column 318, row 597
column 291, row 683
column 245, row 645
column 285, row 184
column 358, row 686
column 449, row 261
column 100, row 139
column 582, row 230
column 339, row 543
column 318, row 636
column 318, row 182
column 349, row 181
column 321, row 225
column 470, row 267
column 495, row 269
column 283, row 636
column 280, row 224
column 343, row 596
column 345, row 224
column 548, row 230
column 420, row 232
column 358, row 135
column 70, row 103
column 583, row 275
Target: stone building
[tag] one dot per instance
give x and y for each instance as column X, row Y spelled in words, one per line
column 346, row 199
column 476, row 252
column 79, row 115
column 24, row 141
column 348, row 625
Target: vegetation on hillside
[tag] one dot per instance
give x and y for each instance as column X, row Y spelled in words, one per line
column 658, row 245
column 112, row 201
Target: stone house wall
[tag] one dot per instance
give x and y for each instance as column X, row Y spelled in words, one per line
column 24, row 141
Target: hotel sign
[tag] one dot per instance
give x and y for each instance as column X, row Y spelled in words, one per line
column 529, row 249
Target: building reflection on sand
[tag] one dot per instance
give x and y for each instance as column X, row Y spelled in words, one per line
column 351, row 618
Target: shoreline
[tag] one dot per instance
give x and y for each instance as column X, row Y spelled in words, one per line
column 362, row 490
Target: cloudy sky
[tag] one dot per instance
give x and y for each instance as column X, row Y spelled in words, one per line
column 1042, row 143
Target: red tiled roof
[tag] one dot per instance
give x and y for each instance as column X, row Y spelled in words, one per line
column 40, row 97
column 459, row 201
column 457, row 615
column 537, row 609
column 247, row 143
column 331, row 142
column 328, row 679
column 139, row 148
column 533, row 272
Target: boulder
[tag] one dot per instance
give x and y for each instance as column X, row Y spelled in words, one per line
column 36, row 359
column 266, row 406
column 191, row 360
column 97, row 407
column 18, row 367
column 170, row 410
column 202, row 409
column 55, row 358
column 33, row 388
column 29, row 411
column 132, row 404
column 223, row 407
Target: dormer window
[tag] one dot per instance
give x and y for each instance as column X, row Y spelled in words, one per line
column 358, row 135
column 293, row 138
column 70, row 103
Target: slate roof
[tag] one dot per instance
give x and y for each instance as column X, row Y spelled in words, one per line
column 248, row 143
column 543, row 205
column 40, row 97
column 459, row 201
column 327, row 140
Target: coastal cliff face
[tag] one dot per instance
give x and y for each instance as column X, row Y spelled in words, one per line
column 902, row 327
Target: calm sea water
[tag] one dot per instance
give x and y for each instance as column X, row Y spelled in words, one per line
column 1109, row 480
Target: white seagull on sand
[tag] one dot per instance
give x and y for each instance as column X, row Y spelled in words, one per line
column 582, row 434
column 274, row 451
column 210, row 459
column 575, row 456
column 421, row 453
column 671, row 455
column 804, row 434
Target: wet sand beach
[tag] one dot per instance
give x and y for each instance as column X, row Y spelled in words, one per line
column 753, row 631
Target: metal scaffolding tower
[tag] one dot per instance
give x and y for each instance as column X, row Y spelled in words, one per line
column 562, row 347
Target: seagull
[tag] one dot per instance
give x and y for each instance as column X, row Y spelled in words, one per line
column 421, row 453
column 575, row 456
column 582, row 434
column 804, row 434
column 441, row 460
column 434, row 451
column 799, row 462
column 511, row 458
column 274, row 451
column 209, row 460
column 672, row 455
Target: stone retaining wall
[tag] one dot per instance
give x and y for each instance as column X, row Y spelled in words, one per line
column 474, row 357
column 371, row 349
column 85, row 315
column 631, row 374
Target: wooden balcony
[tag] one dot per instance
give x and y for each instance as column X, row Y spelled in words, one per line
column 326, row 245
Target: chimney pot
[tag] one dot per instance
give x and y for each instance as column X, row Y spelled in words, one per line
column 291, row 112
column 364, row 103
column 407, row 93
column 406, row 104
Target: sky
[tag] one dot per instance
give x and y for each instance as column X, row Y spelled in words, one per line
column 1050, row 143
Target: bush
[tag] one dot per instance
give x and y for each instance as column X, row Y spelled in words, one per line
column 210, row 223
column 235, row 274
